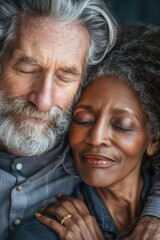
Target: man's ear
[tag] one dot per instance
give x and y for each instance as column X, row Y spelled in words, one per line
column 153, row 147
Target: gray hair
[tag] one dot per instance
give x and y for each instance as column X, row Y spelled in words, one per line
column 94, row 15
column 136, row 60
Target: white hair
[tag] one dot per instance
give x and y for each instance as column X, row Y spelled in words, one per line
column 27, row 139
column 94, row 15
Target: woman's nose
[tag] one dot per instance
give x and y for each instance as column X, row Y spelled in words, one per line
column 99, row 134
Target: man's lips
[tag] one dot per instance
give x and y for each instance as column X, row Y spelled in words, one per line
column 97, row 160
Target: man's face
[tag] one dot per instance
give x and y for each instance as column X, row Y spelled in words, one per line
column 40, row 70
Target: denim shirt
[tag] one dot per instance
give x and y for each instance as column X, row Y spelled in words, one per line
column 29, row 183
column 101, row 214
column 34, row 230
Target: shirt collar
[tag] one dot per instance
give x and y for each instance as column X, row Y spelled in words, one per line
column 33, row 164
column 99, row 211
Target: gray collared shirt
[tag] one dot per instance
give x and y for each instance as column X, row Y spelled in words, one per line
column 28, row 183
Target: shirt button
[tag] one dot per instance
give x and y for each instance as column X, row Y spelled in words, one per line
column 19, row 187
column 17, row 221
column 19, row 166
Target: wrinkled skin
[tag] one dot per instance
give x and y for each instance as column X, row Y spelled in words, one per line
column 81, row 226
column 148, row 228
column 124, row 139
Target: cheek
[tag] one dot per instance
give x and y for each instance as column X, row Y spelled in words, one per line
column 74, row 136
column 15, row 90
column 14, row 86
column 75, row 141
column 77, row 136
column 64, row 95
column 132, row 146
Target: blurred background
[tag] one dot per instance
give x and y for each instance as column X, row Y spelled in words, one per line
column 130, row 11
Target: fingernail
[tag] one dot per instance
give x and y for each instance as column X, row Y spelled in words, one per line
column 59, row 195
column 38, row 215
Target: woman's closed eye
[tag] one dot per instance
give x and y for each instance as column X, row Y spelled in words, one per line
column 125, row 124
column 83, row 118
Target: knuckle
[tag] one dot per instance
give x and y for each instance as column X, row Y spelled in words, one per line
column 78, row 220
column 68, row 235
column 65, row 203
column 75, row 227
column 89, row 218
column 50, row 222
column 60, row 209
column 76, row 201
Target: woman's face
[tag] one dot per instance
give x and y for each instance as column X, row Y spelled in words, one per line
column 108, row 133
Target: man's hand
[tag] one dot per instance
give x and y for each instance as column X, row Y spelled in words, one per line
column 148, row 228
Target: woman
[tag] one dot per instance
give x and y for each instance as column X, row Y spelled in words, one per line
column 114, row 136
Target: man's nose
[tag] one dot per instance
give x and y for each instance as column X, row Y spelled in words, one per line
column 99, row 134
column 42, row 94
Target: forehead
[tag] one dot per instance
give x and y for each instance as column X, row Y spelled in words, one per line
column 41, row 36
column 109, row 92
column 49, row 29
column 107, row 86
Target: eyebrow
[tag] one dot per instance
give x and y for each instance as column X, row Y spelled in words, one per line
column 126, row 111
column 28, row 59
column 72, row 70
column 115, row 110
column 83, row 106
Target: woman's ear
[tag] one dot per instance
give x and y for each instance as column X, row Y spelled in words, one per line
column 153, row 147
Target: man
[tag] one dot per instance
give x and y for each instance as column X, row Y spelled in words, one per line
column 46, row 47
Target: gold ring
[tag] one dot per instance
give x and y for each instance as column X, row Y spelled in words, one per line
column 65, row 218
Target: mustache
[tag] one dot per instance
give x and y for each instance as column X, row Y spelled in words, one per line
column 20, row 107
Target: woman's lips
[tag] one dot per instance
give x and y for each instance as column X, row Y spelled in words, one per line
column 97, row 160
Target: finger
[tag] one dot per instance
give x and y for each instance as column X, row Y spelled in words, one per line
column 54, row 225
column 62, row 208
column 58, row 228
column 59, row 213
column 56, row 210
column 77, row 203
column 98, row 231
column 92, row 228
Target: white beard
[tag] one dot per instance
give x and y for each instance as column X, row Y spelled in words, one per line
column 24, row 138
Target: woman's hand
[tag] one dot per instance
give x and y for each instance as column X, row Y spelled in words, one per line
column 148, row 227
column 75, row 221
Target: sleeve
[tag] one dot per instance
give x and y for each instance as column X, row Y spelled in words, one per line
column 152, row 206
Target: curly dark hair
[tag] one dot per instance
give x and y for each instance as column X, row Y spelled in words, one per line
column 136, row 60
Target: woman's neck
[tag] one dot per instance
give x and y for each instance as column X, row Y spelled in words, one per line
column 123, row 201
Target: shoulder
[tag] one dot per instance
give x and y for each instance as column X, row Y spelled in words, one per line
column 32, row 230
